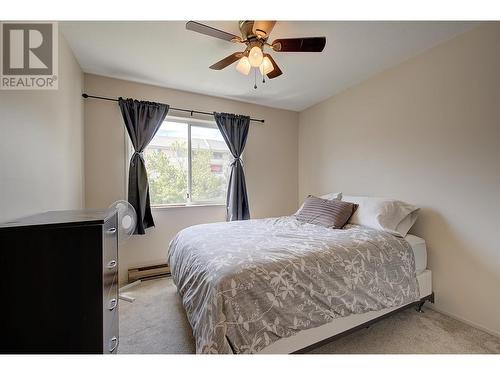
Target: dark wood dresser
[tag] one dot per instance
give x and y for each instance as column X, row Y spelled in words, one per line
column 58, row 283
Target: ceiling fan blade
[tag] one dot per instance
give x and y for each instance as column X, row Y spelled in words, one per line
column 315, row 44
column 276, row 71
column 211, row 31
column 226, row 61
column 263, row 28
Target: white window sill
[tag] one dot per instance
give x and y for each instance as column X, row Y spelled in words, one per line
column 169, row 206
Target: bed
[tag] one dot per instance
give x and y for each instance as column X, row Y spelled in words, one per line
column 279, row 285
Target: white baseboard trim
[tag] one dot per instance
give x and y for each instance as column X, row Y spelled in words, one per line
column 463, row 320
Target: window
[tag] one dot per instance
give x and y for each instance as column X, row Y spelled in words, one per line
column 187, row 163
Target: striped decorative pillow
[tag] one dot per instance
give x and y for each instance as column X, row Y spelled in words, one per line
column 328, row 213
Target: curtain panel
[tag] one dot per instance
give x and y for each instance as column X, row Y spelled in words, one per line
column 234, row 130
column 142, row 121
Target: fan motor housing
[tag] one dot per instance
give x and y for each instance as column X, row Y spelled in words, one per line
column 246, row 29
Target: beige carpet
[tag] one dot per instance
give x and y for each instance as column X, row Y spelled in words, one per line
column 156, row 323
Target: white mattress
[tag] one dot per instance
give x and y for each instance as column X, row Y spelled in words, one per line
column 419, row 251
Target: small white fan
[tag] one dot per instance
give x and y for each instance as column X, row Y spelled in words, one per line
column 127, row 220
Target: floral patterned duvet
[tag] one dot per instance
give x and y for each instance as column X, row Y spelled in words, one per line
column 246, row 284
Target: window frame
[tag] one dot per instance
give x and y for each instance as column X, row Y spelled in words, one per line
column 189, row 121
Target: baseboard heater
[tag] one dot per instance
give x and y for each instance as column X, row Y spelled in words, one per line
column 148, row 272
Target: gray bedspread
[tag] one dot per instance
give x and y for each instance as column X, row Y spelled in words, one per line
column 246, row 284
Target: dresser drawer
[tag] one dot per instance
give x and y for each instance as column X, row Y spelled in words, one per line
column 110, row 332
column 110, row 253
column 110, row 296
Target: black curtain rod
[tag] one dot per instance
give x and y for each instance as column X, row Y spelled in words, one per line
column 172, row 108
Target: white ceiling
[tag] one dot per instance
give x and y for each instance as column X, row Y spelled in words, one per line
column 166, row 54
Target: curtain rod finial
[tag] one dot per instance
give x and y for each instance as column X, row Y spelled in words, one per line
column 85, row 95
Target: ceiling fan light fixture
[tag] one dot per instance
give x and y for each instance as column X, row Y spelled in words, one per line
column 266, row 67
column 255, row 56
column 255, row 36
column 244, row 66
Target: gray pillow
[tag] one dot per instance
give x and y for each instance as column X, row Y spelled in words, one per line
column 328, row 213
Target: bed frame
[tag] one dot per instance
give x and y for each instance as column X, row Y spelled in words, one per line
column 307, row 340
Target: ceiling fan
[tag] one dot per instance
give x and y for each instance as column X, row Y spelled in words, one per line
column 255, row 35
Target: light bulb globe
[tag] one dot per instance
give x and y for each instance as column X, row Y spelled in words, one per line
column 255, row 56
column 266, row 67
column 243, row 66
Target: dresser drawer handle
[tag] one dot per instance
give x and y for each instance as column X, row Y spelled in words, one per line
column 111, row 264
column 113, row 343
column 112, row 304
column 111, row 230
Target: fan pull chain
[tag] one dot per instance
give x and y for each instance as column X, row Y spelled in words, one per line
column 255, row 79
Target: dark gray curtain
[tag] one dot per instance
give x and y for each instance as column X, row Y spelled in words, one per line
column 142, row 120
column 234, row 129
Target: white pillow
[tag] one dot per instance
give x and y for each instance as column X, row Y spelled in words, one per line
column 331, row 196
column 389, row 215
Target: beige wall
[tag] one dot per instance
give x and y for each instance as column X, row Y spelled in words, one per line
column 41, row 145
column 270, row 162
column 427, row 132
